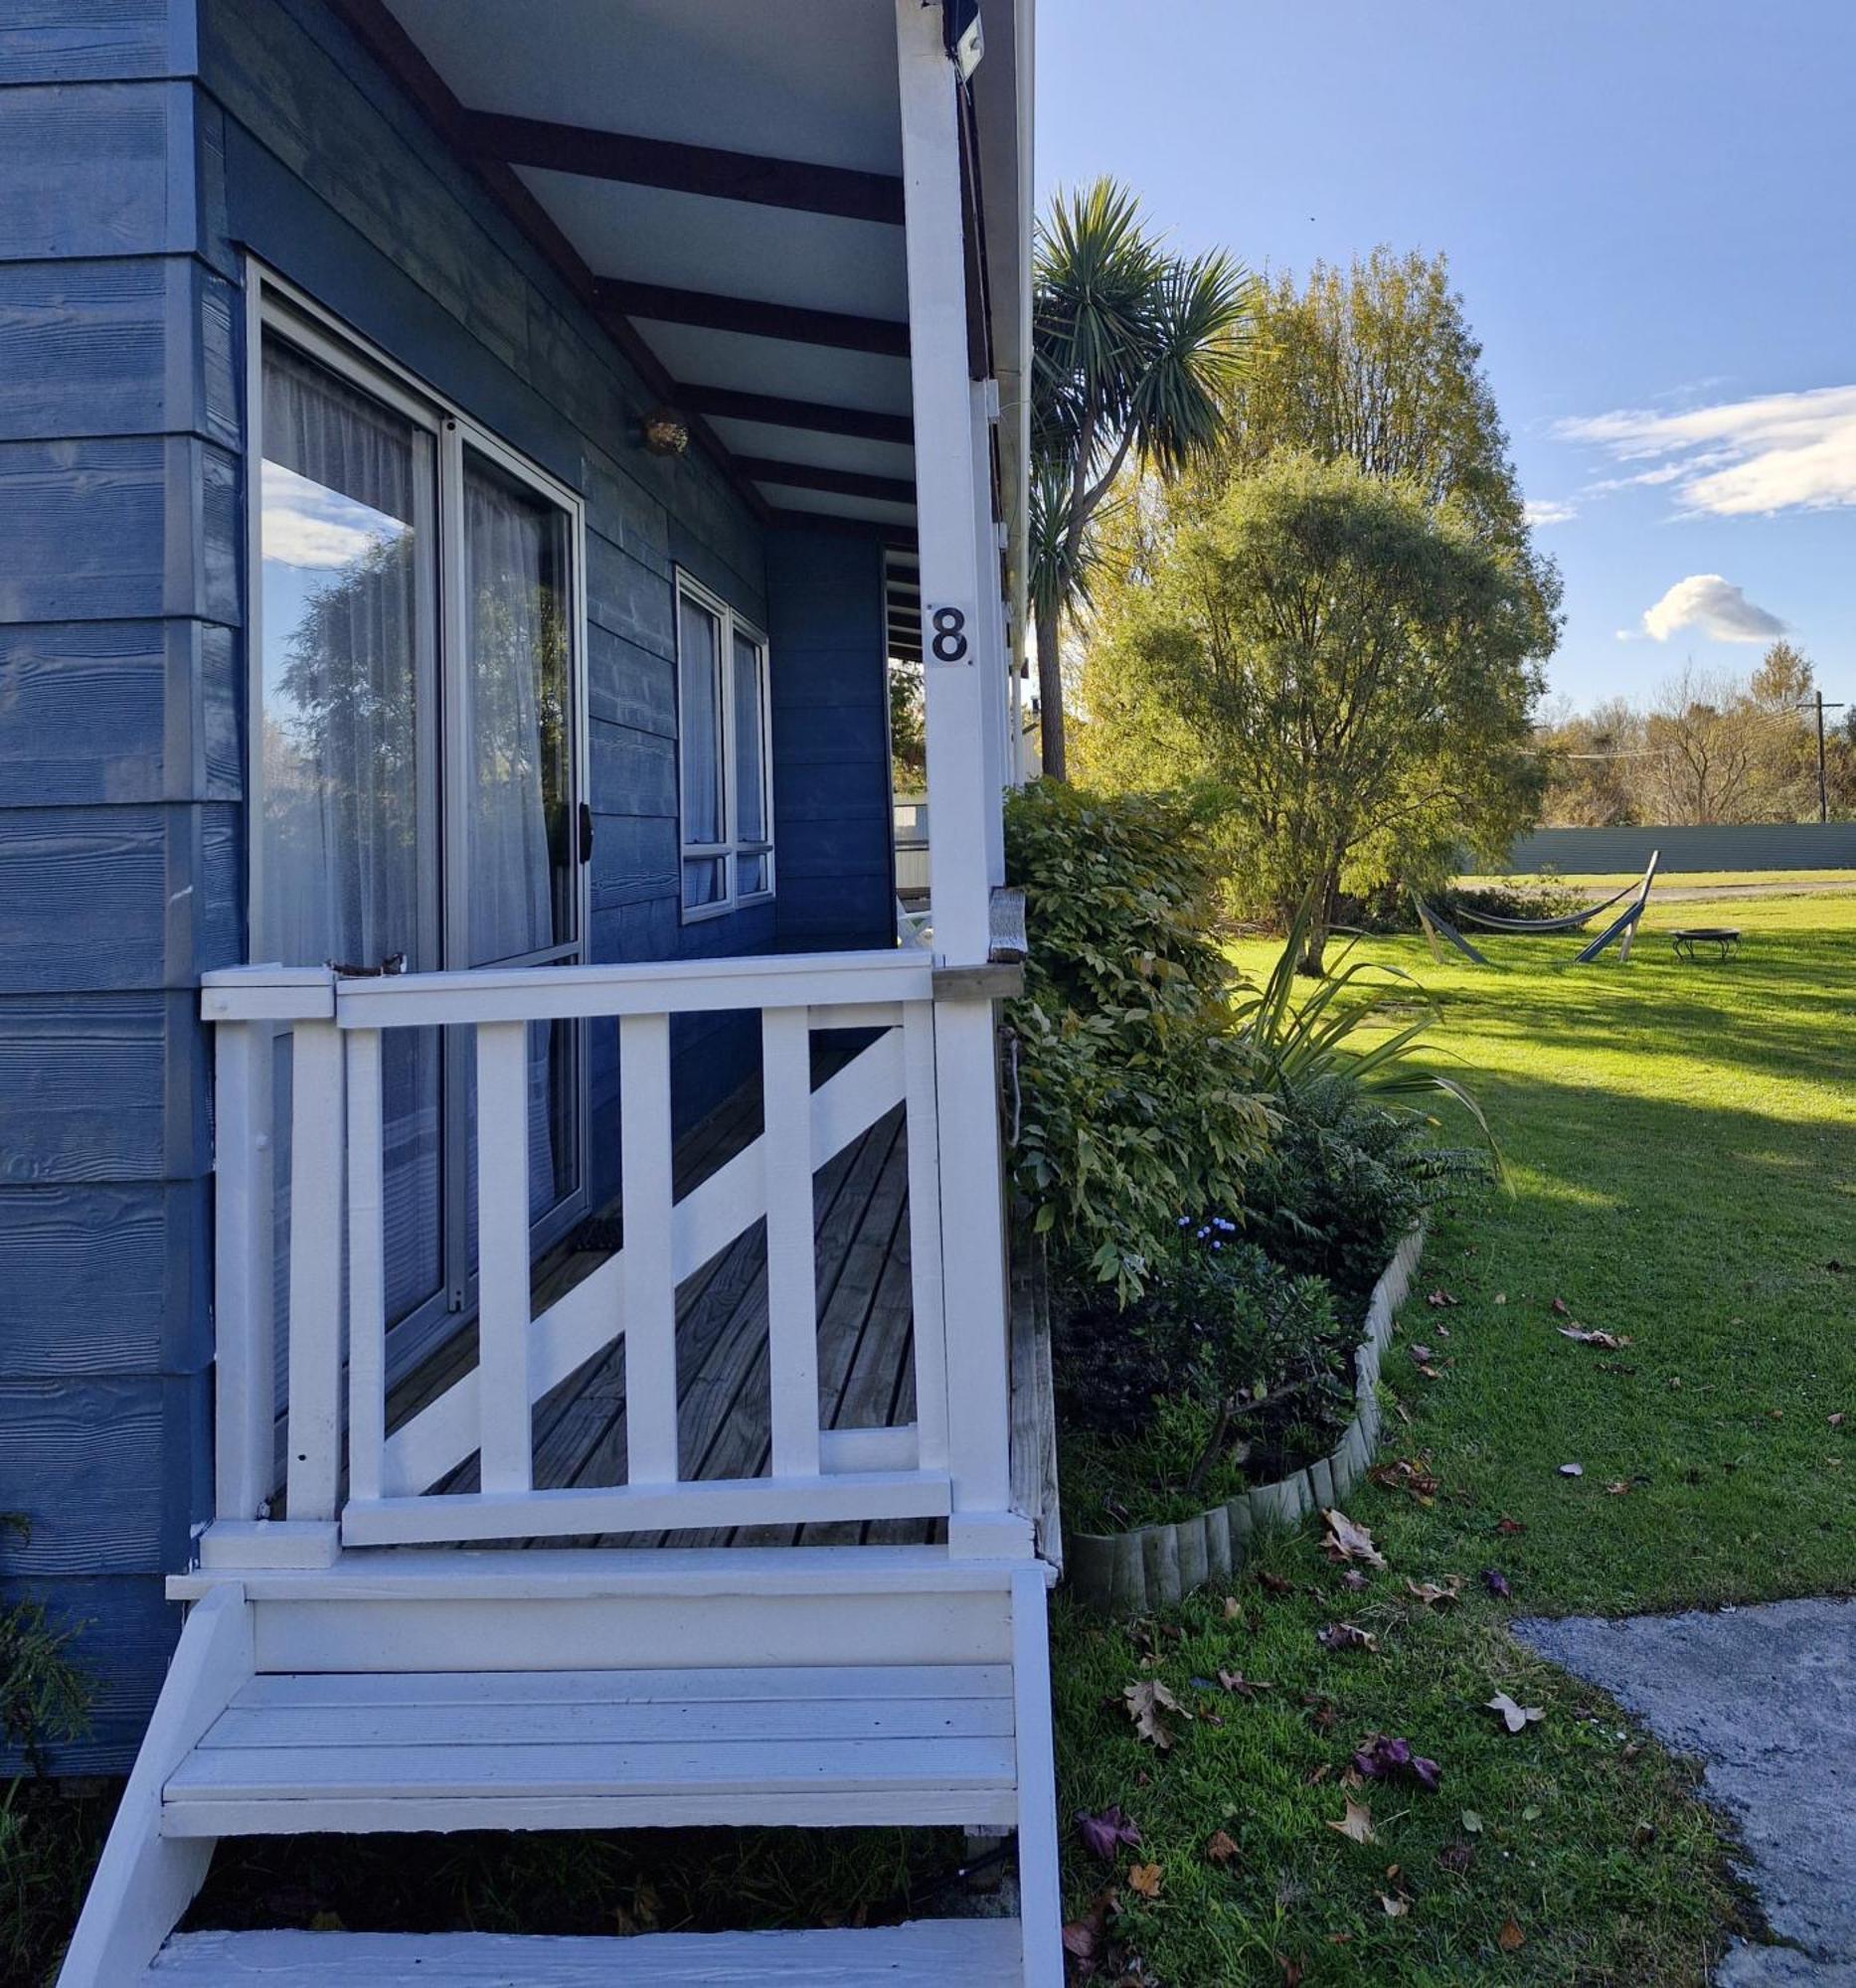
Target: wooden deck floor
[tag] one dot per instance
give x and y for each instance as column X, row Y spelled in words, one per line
column 864, row 1375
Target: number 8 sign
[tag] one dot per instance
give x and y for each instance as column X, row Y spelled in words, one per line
column 943, row 635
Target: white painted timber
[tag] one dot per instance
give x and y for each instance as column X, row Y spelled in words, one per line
column 925, row 1235
column 643, row 1631
column 602, row 1573
column 1040, row 1883
column 590, row 1317
column 503, row 1392
column 791, row 1270
column 367, row 1267
column 144, row 1881
column 267, row 994
column 927, row 1953
column 245, row 1373
column 666, row 987
column 709, row 1685
column 695, row 1503
column 955, row 692
column 316, row 1351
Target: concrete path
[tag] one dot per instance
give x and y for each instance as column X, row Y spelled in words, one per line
column 1767, row 1697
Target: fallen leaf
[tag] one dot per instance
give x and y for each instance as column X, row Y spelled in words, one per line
column 1471, row 1822
column 1233, row 1607
column 1612, row 1341
column 1441, row 1298
column 1507, row 1527
column 1513, row 1716
column 1357, row 1824
column 1103, row 1834
column 1561, row 1307
column 1419, row 1354
column 1275, row 1583
column 1291, row 1973
column 1348, row 1539
column 1345, row 1636
column 1393, row 1909
column 1220, row 1849
column 1404, row 1414
column 1412, row 1477
column 1235, row 1681
column 1082, row 1938
column 1144, row 1879
column 1836, row 1421
column 1501, row 1298
column 1572, row 1470
column 1145, row 1700
column 1433, row 1594
column 1532, row 1812
column 1511, row 1939
column 1496, row 1582
column 1619, row 1489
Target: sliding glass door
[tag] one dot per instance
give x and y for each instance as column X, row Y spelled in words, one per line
column 414, row 764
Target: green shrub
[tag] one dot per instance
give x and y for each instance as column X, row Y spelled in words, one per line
column 1230, row 1369
column 1135, row 1099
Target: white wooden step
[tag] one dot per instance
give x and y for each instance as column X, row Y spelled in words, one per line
column 931, row 1953
column 593, row 1749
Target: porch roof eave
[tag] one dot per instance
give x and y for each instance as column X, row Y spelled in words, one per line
column 721, row 182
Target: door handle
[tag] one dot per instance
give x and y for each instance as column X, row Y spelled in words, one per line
column 585, row 831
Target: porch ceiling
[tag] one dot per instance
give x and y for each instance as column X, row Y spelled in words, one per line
column 729, row 173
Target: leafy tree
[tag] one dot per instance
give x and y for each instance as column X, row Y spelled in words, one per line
column 1354, row 665
column 907, row 730
column 1132, row 353
column 1703, row 735
column 1593, row 766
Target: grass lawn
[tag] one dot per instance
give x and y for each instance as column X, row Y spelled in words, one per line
column 1799, row 880
column 1682, row 1142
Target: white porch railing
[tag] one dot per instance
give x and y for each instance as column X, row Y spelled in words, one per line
column 336, row 1393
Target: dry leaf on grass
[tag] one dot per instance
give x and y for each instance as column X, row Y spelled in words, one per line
column 1235, row 1681
column 1146, row 1699
column 1357, row 1824
column 1353, row 1580
column 1103, row 1834
column 1496, row 1582
column 1612, row 1341
column 1220, row 1849
column 1345, row 1636
column 1393, row 1909
column 1507, row 1527
column 1274, row 1582
column 1144, row 1879
column 1511, row 1939
column 1513, row 1716
column 1435, row 1594
column 1621, row 1488
column 1347, row 1539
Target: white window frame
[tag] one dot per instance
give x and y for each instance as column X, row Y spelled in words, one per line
column 277, row 308
column 732, row 847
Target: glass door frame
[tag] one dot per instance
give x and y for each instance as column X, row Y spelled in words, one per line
column 275, row 308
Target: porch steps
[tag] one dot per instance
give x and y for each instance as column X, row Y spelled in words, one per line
column 928, row 1953
column 601, row 1748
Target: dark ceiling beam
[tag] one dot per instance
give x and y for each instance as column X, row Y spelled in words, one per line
column 842, row 482
column 885, row 336
column 773, row 410
column 401, row 56
column 898, row 541
column 700, row 169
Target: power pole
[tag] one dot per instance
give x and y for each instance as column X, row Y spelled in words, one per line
column 1823, row 790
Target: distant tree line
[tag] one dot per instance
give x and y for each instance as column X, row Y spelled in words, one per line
column 1705, row 749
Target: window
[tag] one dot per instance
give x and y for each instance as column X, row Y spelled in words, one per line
column 723, row 757
column 416, row 765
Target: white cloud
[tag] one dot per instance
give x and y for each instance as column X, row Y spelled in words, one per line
column 1738, row 458
column 308, row 526
column 1706, row 601
column 1550, row 511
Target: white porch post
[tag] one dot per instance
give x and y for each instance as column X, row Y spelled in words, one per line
column 964, row 680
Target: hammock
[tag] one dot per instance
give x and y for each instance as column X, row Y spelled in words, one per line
column 1439, row 932
column 1569, row 922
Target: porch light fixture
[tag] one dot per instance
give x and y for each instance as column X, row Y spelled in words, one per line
column 665, row 432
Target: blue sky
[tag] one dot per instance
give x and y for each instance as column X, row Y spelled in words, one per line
column 1649, row 207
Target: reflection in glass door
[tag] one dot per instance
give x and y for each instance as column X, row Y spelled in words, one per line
column 414, row 770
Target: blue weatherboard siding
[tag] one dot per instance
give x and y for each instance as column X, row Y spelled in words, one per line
column 146, row 146
column 831, row 751
column 120, row 818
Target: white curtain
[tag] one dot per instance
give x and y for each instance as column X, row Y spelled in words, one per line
column 348, row 555
column 515, row 641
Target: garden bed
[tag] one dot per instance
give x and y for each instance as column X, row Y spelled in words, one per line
column 1150, row 1567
